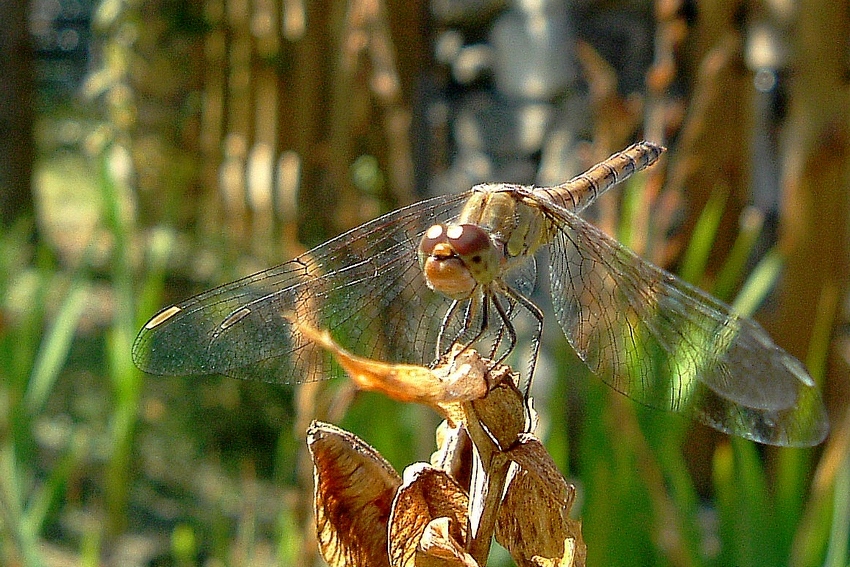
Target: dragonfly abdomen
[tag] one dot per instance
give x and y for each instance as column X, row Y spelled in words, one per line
column 580, row 191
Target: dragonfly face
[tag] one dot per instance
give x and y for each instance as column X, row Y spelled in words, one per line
column 419, row 279
column 456, row 259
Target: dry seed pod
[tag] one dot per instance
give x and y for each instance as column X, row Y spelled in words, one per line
column 534, row 523
column 513, row 485
column 427, row 494
column 354, row 490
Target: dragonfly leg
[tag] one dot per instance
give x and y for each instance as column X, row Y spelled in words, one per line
column 450, row 313
column 444, row 347
column 537, row 313
column 468, row 316
column 505, row 327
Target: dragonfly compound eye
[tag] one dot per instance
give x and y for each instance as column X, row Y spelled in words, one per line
column 473, row 245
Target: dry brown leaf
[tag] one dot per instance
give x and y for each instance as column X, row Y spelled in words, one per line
column 534, row 523
column 461, row 377
column 426, row 494
column 354, row 491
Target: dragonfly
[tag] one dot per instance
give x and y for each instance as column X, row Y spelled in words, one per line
column 457, row 269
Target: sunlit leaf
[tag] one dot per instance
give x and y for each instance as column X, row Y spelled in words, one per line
column 461, row 377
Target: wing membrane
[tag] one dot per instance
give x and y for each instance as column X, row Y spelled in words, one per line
column 668, row 345
column 365, row 286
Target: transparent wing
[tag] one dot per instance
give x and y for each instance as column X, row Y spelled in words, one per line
column 365, row 286
column 670, row 346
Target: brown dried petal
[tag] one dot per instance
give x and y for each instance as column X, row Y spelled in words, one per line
column 427, row 493
column 534, row 523
column 502, row 413
column 354, row 490
column 567, row 558
column 454, row 452
column 461, row 379
column 438, row 548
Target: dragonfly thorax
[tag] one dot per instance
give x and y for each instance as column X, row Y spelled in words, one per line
column 457, row 258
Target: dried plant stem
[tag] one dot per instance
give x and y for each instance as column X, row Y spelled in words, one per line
column 489, row 476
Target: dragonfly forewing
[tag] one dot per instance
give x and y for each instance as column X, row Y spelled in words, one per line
column 365, row 285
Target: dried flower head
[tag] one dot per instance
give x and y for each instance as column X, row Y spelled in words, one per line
column 489, row 476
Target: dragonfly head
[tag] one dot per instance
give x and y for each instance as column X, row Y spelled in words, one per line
column 456, row 258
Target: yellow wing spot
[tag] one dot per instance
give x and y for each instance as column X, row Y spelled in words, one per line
column 163, row 316
column 234, row 318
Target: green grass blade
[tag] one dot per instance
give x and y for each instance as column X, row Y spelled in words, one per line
column 793, row 467
column 761, row 281
column 49, row 493
column 699, row 248
column 839, row 536
column 734, row 268
column 12, row 510
column 54, row 349
column 747, row 524
column 634, row 195
column 161, row 245
column 126, row 379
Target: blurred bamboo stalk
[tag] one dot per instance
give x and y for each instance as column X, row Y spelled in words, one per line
column 815, row 205
column 293, row 94
column 712, row 150
column 16, row 114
